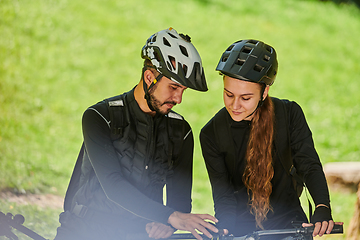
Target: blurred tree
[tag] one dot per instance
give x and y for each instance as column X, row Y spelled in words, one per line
column 356, row 2
column 354, row 227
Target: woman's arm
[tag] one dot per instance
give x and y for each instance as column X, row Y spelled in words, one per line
column 222, row 189
column 308, row 165
column 305, row 157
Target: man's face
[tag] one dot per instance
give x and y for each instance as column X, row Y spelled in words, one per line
column 165, row 94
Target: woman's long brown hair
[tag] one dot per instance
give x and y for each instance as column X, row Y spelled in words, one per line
column 259, row 169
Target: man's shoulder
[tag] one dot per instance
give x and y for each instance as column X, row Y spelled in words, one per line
column 99, row 107
column 176, row 120
column 102, row 108
column 114, row 101
column 120, row 100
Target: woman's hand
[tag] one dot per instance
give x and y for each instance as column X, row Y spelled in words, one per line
column 322, row 228
column 192, row 222
column 158, row 230
column 322, row 221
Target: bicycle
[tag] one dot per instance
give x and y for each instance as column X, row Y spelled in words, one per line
column 9, row 222
column 298, row 233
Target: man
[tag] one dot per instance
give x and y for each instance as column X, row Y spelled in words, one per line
column 134, row 144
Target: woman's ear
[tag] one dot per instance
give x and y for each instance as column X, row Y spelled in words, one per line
column 266, row 91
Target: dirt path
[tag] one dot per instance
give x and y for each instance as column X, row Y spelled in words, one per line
column 41, row 200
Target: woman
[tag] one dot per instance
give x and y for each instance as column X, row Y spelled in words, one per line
column 247, row 142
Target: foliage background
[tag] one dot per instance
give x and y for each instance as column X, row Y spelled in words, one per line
column 57, row 57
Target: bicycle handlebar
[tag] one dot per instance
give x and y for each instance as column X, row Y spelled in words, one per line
column 7, row 221
column 338, row 229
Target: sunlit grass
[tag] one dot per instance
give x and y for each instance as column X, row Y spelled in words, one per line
column 59, row 57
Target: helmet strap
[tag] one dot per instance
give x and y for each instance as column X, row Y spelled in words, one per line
column 146, row 89
column 261, row 101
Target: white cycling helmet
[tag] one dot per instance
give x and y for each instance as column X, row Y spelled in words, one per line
column 175, row 57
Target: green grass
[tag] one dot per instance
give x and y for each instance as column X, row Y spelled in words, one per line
column 43, row 221
column 59, row 57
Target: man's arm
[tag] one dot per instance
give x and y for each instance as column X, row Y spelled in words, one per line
column 179, row 183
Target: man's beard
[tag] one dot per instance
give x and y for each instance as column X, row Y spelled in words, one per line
column 156, row 104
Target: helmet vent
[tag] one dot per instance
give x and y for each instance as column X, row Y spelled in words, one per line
column 253, row 42
column 166, row 42
column 266, row 58
column 224, row 59
column 246, row 49
column 168, row 65
column 183, row 50
column 240, row 62
column 269, row 49
column 258, row 68
column 197, row 69
column 156, row 55
column 171, row 64
column 185, row 68
column 229, row 48
column 153, row 39
column 186, row 37
column 173, row 36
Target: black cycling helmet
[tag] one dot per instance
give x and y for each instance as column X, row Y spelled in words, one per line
column 166, row 48
column 249, row 60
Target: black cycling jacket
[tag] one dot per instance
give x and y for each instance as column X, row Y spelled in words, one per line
column 229, row 193
column 105, row 187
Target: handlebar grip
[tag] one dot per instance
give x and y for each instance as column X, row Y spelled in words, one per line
column 337, row 229
column 19, row 219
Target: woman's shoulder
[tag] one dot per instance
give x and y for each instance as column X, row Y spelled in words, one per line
column 288, row 104
column 215, row 120
column 287, row 109
column 278, row 101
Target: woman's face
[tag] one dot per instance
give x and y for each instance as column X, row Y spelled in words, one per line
column 241, row 97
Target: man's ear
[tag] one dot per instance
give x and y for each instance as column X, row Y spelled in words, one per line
column 148, row 77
